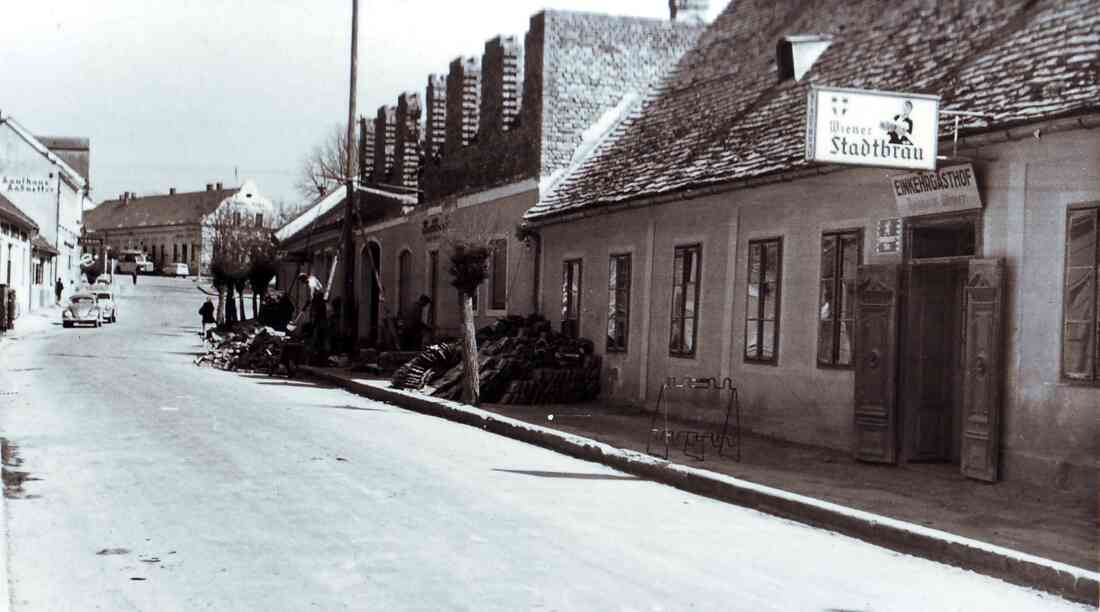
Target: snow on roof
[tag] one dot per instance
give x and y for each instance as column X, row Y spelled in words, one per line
column 331, row 200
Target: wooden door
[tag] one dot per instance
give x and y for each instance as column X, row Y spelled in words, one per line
column 876, row 350
column 983, row 370
column 930, row 361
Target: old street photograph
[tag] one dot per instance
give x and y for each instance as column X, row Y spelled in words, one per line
column 573, row 305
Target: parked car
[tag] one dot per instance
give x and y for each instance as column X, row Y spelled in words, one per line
column 82, row 309
column 108, row 310
column 175, row 269
column 147, row 267
column 103, row 279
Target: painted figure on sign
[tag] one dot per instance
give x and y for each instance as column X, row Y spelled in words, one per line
column 901, row 127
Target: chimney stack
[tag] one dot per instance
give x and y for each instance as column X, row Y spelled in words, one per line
column 171, row 191
column 366, row 150
column 501, row 83
column 210, row 187
column 407, row 147
column 688, row 11
column 385, row 136
column 463, row 102
column 436, row 106
column 218, row 185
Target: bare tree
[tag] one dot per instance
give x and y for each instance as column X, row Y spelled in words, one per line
column 286, row 211
column 470, row 241
column 241, row 254
column 323, row 169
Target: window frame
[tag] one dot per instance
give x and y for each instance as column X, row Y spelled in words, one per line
column 760, row 320
column 838, row 292
column 404, row 279
column 1094, row 206
column 697, row 247
column 573, row 301
column 613, row 292
column 493, row 305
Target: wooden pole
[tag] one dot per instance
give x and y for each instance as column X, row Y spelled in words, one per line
column 351, row 199
column 471, row 378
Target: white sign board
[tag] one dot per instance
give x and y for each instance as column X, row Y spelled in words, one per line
column 872, row 128
column 946, row 190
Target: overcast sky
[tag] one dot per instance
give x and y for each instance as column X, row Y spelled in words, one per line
column 178, row 94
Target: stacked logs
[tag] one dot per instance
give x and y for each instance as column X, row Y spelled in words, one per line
column 520, row 360
column 247, row 346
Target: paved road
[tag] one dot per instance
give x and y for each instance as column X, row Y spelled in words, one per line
column 157, row 485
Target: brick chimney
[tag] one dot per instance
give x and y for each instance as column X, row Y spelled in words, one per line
column 463, row 102
column 385, row 136
column 171, row 191
column 501, row 83
column 218, row 185
column 688, row 11
column 210, row 186
column 407, row 147
column 366, row 150
column 435, row 104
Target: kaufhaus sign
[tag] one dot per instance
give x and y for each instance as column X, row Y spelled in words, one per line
column 947, row 190
column 872, row 128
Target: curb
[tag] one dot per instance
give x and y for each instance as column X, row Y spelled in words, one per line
column 1012, row 566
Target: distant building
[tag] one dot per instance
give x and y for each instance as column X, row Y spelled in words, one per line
column 168, row 228
column 17, row 231
column 38, row 181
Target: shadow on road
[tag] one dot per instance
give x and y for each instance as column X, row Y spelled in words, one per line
column 574, row 475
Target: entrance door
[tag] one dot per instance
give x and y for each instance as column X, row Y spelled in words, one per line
column 982, row 369
column 931, row 354
column 876, row 363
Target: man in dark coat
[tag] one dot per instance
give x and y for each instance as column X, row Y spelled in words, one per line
column 206, row 311
column 58, row 287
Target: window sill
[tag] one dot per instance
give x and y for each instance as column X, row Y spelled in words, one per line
column 1075, row 382
column 682, row 355
column 762, row 362
column 829, row 366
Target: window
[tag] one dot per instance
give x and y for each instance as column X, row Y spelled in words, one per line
column 618, row 302
column 433, row 281
column 571, row 297
column 498, row 288
column 840, row 256
column 1081, row 296
column 175, row 252
column 183, row 256
column 236, row 218
column 685, row 300
column 762, row 309
column 404, row 269
column 259, row 219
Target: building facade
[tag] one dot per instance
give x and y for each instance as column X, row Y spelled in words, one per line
column 496, row 129
column 174, row 227
column 846, row 316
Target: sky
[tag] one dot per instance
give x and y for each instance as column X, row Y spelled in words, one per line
column 189, row 92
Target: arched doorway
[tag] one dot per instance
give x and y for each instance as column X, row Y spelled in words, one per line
column 370, row 317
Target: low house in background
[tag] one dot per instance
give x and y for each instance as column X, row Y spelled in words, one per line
column 699, row 241
column 36, row 177
column 497, row 129
column 17, row 233
column 169, row 228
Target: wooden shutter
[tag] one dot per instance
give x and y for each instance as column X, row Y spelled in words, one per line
column 876, row 356
column 982, row 370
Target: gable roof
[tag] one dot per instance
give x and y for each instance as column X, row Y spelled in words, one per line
column 156, row 210
column 722, row 115
column 12, row 214
column 71, row 176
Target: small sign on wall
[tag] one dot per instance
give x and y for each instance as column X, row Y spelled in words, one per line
column 946, row 190
column 888, row 237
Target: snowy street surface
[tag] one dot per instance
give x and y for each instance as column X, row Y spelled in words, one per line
column 156, row 485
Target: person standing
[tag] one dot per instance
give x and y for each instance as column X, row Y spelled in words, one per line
column 206, row 311
column 134, row 273
column 58, row 288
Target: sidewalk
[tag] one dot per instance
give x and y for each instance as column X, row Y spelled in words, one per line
column 32, row 323
column 1036, row 537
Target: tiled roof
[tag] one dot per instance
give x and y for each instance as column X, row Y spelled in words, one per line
column 156, row 210
column 42, row 245
column 722, row 115
column 12, row 214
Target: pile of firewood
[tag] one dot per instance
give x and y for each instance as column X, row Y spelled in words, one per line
column 520, row 361
column 247, row 346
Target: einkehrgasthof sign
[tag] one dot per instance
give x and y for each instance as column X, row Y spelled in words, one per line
column 872, row 128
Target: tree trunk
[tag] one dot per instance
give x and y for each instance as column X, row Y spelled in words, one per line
column 240, row 300
column 471, row 378
column 220, row 312
column 255, row 305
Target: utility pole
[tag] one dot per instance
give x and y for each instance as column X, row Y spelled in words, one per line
column 351, row 200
